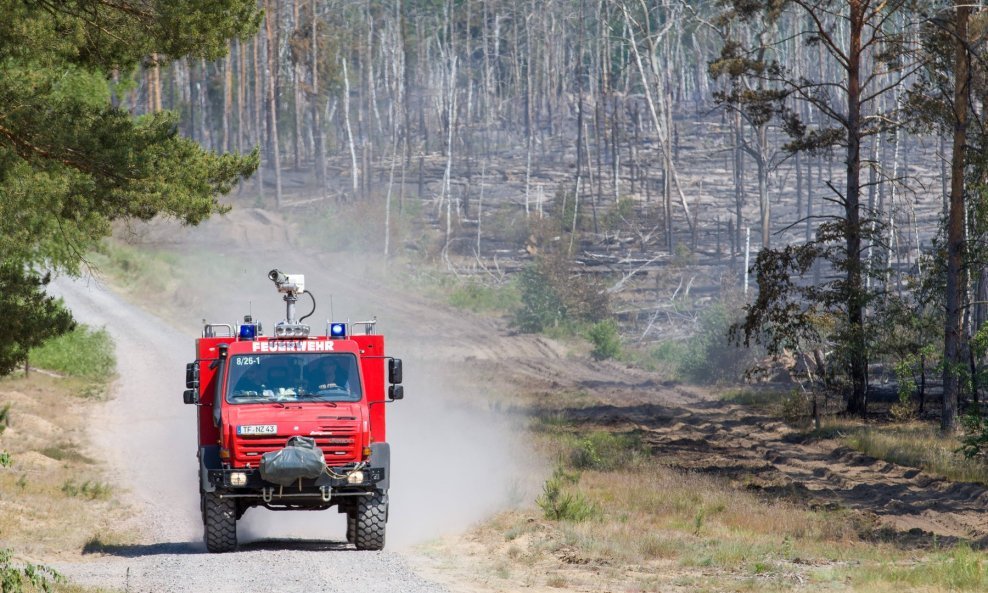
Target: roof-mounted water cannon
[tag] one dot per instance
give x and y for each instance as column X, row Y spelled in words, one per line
column 288, row 283
column 292, row 285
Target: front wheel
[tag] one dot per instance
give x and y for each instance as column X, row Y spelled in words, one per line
column 219, row 518
column 369, row 524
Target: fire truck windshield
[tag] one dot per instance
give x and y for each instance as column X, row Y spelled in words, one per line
column 293, row 377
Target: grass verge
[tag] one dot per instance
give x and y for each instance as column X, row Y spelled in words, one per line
column 50, row 478
column 85, row 352
column 913, row 444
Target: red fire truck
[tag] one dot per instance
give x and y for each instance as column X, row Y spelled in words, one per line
column 293, row 421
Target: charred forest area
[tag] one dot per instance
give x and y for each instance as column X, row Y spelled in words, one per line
column 699, row 172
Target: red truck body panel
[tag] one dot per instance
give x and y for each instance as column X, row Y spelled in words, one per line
column 370, row 354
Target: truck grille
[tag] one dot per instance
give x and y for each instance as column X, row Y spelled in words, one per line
column 340, row 445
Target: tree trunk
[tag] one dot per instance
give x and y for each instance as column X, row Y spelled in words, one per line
column 354, row 168
column 738, row 154
column 763, row 203
column 258, row 108
column 227, row 142
column 858, row 400
column 241, row 77
column 270, row 13
column 297, row 99
column 317, row 132
column 953, row 359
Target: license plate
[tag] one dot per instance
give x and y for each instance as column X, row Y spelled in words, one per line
column 248, row 429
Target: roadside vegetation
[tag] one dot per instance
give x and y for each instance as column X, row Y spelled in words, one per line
column 613, row 512
column 84, row 353
column 48, row 475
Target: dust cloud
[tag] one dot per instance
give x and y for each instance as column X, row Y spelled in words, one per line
column 145, row 433
column 455, row 459
column 453, row 464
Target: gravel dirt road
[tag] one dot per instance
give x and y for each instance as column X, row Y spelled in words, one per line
column 147, row 437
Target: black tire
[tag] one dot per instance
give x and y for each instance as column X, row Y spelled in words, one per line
column 371, row 518
column 219, row 518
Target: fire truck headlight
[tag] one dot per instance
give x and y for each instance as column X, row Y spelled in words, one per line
column 356, row 477
column 238, row 479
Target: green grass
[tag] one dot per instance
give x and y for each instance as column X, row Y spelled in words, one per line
column 481, row 298
column 89, row 489
column 665, row 358
column 756, row 398
column 85, row 353
column 137, row 270
column 957, row 569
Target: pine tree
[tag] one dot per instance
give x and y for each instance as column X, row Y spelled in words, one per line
column 70, row 161
column 868, row 47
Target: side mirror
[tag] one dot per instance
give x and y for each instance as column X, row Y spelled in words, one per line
column 190, row 396
column 396, row 392
column 192, row 375
column 394, row 370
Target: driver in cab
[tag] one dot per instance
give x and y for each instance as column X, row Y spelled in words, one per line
column 252, row 383
column 329, row 374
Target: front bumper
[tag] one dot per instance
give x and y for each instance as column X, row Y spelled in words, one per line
column 248, row 480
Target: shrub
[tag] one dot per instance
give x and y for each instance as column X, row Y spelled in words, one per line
column 709, row 356
column 541, row 307
column 32, row 315
column 794, row 408
column 13, row 577
column 663, row 357
column 605, row 339
column 975, row 439
column 602, row 450
column 5, row 460
column 88, row 489
column 557, row 504
column 550, row 294
column 83, row 352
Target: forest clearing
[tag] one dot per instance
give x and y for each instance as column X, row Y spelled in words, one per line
column 692, row 294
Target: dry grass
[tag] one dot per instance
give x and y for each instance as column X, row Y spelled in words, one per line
column 662, row 529
column 913, row 444
column 52, row 479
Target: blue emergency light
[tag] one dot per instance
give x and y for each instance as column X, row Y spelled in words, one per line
column 248, row 331
column 337, row 330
